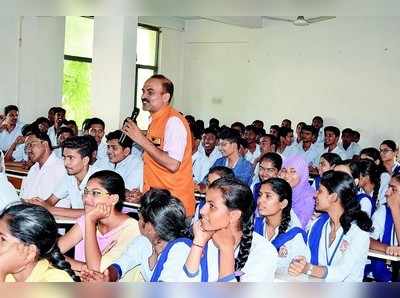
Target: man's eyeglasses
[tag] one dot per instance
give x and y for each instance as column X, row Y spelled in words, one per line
column 31, row 144
column 95, row 193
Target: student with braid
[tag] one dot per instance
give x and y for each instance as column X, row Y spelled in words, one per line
column 160, row 252
column 28, row 246
column 275, row 221
column 224, row 238
column 369, row 184
column 338, row 240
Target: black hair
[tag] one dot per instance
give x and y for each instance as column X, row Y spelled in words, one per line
column 284, row 131
column 343, row 185
column 332, row 158
column 284, row 191
column 309, row 128
column 238, row 195
column 275, row 126
column 222, row 171
column 318, row 118
column 85, row 124
column 243, row 143
column 214, row 122
column 196, row 134
column 33, row 224
column 273, row 157
column 353, row 166
column 116, row 135
column 230, row 135
column 240, row 125
column 200, row 125
column 94, row 121
column 347, row 130
column 52, row 110
column 251, row 128
column 211, row 130
column 10, row 108
column 391, row 144
column 376, row 157
column 190, row 119
column 356, row 134
column 333, row 129
column 40, row 135
column 27, row 128
column 301, row 124
column 168, row 86
column 59, row 110
column 81, row 143
column 65, row 129
column 272, row 138
column 42, row 120
column 258, row 122
column 369, row 168
column 288, row 121
column 166, row 213
column 113, row 183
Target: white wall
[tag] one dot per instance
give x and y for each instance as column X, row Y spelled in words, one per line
column 347, row 70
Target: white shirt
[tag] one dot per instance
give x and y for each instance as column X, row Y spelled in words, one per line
column 140, row 249
column 70, row 192
column 131, row 170
column 353, row 149
column 366, row 205
column 7, row 190
column 336, row 150
column 43, row 181
column 175, row 138
column 311, row 154
column 260, row 266
column 202, row 163
column 378, row 220
column 294, row 247
column 51, row 132
column 8, row 138
column 251, row 157
column 385, row 180
column 19, row 153
column 102, row 152
column 351, row 256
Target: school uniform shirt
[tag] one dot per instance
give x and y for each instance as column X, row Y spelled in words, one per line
column 260, row 265
column 290, row 150
column 8, row 193
column 51, row 132
column 131, row 170
column 251, row 157
column 111, row 245
column 321, row 136
column 294, row 247
column 396, row 168
column 70, row 193
column 351, row 255
column 336, row 150
column 243, row 169
column 365, row 203
column 44, row 272
column 378, row 220
column 202, row 163
column 43, row 181
column 19, row 153
column 385, row 180
column 8, row 138
column 311, row 154
column 138, row 252
column 353, row 149
column 102, row 151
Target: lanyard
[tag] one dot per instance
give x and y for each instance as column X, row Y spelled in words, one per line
column 329, row 262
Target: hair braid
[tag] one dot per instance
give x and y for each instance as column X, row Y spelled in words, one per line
column 244, row 245
column 284, row 221
column 57, row 259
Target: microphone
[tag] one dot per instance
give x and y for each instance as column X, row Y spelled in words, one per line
column 135, row 114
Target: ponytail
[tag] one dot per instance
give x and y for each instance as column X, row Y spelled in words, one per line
column 57, row 259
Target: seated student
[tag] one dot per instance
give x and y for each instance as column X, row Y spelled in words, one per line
column 318, row 123
column 103, row 233
column 268, row 143
column 48, row 170
column 243, row 147
column 42, row 123
column 72, row 125
column 275, row 222
column 77, row 153
column 295, row 172
column 269, row 166
column 299, row 127
column 386, row 234
column 389, row 151
column 374, row 155
column 285, row 141
column 7, row 190
column 122, row 161
column 63, row 133
column 369, row 184
column 258, row 124
column 338, row 240
column 10, row 127
column 59, row 119
column 274, row 130
column 16, row 152
column 28, row 250
column 161, row 251
column 327, row 162
column 348, row 145
column 307, row 148
column 207, row 157
column 286, row 123
column 253, row 149
column 225, row 241
column 229, row 145
column 332, row 135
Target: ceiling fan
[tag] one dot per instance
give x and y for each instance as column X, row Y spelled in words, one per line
column 300, row 20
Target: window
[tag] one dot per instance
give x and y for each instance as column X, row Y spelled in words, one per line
column 146, row 64
column 78, row 53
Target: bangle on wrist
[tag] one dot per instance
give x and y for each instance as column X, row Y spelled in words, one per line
column 198, row 245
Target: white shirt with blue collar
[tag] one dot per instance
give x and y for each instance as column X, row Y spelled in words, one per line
column 8, row 138
column 202, row 163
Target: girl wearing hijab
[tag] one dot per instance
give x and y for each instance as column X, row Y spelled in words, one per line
column 295, row 172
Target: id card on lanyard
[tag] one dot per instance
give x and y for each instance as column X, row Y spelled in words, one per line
column 329, row 260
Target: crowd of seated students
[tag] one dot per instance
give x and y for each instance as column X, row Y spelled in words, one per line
column 304, row 202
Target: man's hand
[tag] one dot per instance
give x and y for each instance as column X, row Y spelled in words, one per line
column 132, row 130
